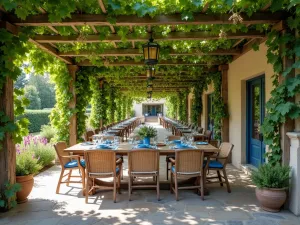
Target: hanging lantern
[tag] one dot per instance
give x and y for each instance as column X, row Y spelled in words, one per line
column 149, row 95
column 150, row 71
column 150, row 88
column 151, row 51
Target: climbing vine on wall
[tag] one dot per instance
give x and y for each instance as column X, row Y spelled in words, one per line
column 182, row 106
column 99, row 103
column 83, row 96
column 197, row 106
column 281, row 107
column 172, row 106
column 111, row 104
column 12, row 51
column 220, row 109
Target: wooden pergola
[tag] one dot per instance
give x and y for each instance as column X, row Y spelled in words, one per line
column 50, row 42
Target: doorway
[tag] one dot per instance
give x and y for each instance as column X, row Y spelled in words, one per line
column 255, row 116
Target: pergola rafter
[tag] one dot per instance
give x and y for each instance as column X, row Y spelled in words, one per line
column 124, row 20
column 174, row 36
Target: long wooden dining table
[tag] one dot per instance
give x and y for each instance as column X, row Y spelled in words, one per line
column 124, row 148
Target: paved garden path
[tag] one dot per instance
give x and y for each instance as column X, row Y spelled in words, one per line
column 68, row 208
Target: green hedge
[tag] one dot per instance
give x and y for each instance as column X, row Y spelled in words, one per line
column 37, row 118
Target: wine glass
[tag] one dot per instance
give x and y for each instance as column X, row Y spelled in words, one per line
column 95, row 139
column 155, row 141
column 182, row 139
column 166, row 140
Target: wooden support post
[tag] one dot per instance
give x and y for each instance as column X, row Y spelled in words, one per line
column 289, row 124
column 225, row 121
column 187, row 108
column 73, row 120
column 101, row 86
column 7, row 149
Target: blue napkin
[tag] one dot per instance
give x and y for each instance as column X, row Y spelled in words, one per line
column 177, row 141
column 201, row 143
column 104, row 146
column 107, row 142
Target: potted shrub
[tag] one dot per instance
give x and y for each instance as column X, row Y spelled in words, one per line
column 272, row 183
column 147, row 132
column 26, row 166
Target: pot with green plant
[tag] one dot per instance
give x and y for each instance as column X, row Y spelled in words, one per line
column 26, row 166
column 272, row 183
column 147, row 132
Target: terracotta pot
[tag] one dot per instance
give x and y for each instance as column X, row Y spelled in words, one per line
column 26, row 183
column 271, row 199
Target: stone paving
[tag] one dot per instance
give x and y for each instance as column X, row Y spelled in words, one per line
column 68, row 208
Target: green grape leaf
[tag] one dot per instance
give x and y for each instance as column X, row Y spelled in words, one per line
column 114, row 4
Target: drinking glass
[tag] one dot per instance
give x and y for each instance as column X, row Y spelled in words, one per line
column 130, row 140
column 155, row 141
column 182, row 139
column 95, row 140
column 166, row 141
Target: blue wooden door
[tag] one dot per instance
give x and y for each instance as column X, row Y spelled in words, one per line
column 153, row 113
column 255, row 116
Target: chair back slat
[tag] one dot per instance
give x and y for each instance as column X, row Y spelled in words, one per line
column 97, row 131
column 143, row 160
column 225, row 150
column 59, row 148
column 189, row 160
column 100, row 161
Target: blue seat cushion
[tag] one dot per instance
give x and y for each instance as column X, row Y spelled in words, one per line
column 74, row 164
column 214, row 164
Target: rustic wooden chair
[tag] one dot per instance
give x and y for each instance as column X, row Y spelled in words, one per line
column 68, row 163
column 207, row 135
column 170, row 138
column 143, row 163
column 218, row 164
column 102, row 164
column 89, row 135
column 97, row 131
column 200, row 130
column 188, row 163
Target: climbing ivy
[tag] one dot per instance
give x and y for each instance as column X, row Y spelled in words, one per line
column 111, row 104
column 182, row 105
column 12, row 51
column 172, row 106
column 220, row 109
column 99, row 103
column 83, row 96
column 197, row 106
column 281, row 107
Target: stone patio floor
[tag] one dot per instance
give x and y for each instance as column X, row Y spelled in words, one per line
column 68, row 208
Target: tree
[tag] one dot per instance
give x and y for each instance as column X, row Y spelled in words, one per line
column 45, row 90
column 32, row 95
column 21, row 81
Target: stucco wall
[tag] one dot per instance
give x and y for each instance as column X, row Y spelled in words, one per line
column 250, row 65
column 138, row 106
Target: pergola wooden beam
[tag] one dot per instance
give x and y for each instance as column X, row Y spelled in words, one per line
column 50, row 27
column 136, row 52
column 132, row 20
column 174, row 36
column 52, row 51
column 205, row 8
column 101, row 4
column 133, row 63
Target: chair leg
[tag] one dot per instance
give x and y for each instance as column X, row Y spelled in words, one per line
column 83, row 180
column 167, row 170
column 176, row 187
column 119, row 184
column 69, row 177
column 201, row 180
column 220, row 178
column 171, row 183
column 59, row 181
column 226, row 180
column 86, row 190
column 129, row 188
column 158, row 191
column 115, row 190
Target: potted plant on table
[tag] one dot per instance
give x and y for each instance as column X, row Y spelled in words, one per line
column 272, row 183
column 26, row 166
column 147, row 132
